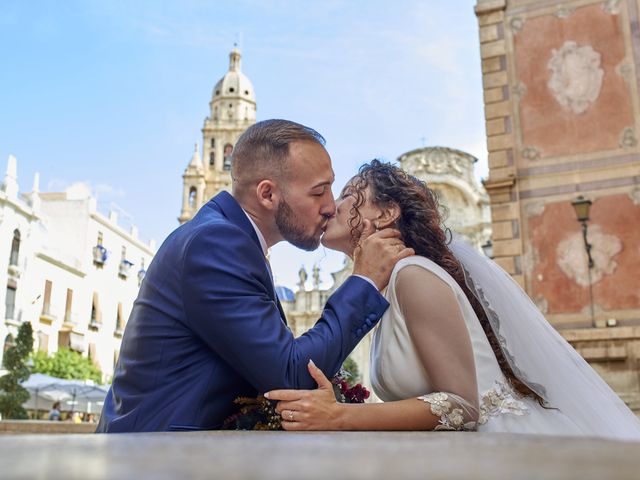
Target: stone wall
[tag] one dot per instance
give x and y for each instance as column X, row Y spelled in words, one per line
column 562, row 116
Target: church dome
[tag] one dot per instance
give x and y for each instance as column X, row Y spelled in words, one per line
column 234, row 84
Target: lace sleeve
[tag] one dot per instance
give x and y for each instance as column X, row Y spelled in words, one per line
column 455, row 412
column 441, row 339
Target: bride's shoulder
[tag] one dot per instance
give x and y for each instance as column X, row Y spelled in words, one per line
column 420, row 269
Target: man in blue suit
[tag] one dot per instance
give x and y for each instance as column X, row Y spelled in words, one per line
column 207, row 325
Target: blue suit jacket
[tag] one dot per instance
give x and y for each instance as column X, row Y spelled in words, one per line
column 207, row 327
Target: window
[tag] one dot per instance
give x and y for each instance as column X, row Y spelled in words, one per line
column 119, row 319
column 68, row 306
column 15, row 248
column 213, row 142
column 228, row 151
column 10, row 302
column 212, row 158
column 231, row 89
column 96, row 317
column 46, row 305
column 246, row 92
column 192, row 197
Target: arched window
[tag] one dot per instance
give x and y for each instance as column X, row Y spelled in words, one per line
column 213, row 142
column 212, row 158
column 228, row 151
column 15, row 248
column 10, row 301
column 192, row 197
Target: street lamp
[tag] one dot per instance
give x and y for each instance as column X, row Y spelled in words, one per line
column 487, row 248
column 582, row 205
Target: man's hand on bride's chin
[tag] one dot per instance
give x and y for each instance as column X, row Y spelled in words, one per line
column 378, row 252
column 309, row 409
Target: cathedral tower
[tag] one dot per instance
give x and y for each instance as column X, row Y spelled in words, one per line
column 232, row 111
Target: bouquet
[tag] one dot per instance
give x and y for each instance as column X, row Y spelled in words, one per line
column 260, row 413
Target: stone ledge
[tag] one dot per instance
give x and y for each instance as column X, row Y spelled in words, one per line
column 43, row 426
column 321, row 455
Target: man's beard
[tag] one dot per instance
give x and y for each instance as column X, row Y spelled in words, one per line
column 292, row 229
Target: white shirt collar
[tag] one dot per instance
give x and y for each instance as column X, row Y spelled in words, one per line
column 263, row 242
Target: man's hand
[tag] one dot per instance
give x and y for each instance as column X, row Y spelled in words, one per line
column 377, row 253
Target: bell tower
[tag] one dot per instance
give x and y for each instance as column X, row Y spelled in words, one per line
column 232, row 111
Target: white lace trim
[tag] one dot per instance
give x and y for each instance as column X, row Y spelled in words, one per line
column 500, row 400
column 450, row 418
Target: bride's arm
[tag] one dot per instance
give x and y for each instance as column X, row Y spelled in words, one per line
column 441, row 339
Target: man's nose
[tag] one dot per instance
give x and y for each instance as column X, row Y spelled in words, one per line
column 329, row 209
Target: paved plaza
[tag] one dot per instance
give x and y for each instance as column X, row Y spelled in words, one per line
column 325, row 455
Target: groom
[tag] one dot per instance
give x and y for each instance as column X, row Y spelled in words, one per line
column 207, row 326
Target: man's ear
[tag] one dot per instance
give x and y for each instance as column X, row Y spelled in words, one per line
column 267, row 194
column 388, row 216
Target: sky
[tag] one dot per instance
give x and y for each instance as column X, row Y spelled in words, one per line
column 111, row 95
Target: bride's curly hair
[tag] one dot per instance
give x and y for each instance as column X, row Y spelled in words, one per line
column 422, row 228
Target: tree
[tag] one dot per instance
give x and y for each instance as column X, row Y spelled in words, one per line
column 67, row 364
column 351, row 367
column 12, row 394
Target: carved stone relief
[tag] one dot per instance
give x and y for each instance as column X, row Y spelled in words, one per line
column 520, row 90
column 628, row 138
column 572, row 257
column 534, row 209
column 576, row 76
column 611, row 6
column 530, row 153
column 624, row 70
column 516, row 24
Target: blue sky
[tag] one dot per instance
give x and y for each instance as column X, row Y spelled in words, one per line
column 113, row 93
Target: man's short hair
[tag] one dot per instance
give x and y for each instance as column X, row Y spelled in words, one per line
column 263, row 149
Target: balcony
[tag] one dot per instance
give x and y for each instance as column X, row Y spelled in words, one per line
column 99, row 255
column 124, row 269
column 48, row 314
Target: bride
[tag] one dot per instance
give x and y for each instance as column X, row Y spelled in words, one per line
column 461, row 346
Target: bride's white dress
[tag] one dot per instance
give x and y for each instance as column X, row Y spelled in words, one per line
column 397, row 373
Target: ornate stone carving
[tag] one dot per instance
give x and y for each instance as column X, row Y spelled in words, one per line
column 572, row 257
column 624, row 70
column 516, row 24
column 628, row 138
column 520, row 90
column 530, row 153
column 534, row 209
column 611, row 6
column 576, row 76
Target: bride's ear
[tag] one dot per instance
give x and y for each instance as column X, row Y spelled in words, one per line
column 388, row 216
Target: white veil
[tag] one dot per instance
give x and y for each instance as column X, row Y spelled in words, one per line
column 538, row 354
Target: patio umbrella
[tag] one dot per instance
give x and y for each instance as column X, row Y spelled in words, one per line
column 45, row 390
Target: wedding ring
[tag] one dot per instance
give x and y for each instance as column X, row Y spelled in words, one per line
column 291, row 415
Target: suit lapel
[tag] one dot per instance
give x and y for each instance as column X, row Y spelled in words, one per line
column 231, row 209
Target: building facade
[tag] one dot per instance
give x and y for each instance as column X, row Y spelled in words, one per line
column 69, row 270
column 562, row 115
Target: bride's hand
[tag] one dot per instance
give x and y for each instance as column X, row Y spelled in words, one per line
column 308, row 409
